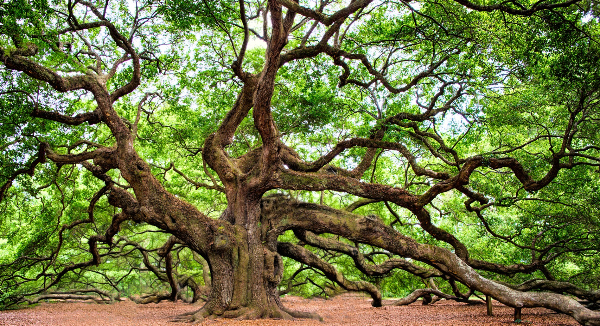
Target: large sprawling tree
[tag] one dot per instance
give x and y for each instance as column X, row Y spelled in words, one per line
column 452, row 140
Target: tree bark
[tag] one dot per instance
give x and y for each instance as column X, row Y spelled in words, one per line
column 245, row 268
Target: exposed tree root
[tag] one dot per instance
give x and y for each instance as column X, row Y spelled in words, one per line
column 192, row 317
column 81, row 297
column 303, row 314
column 422, row 293
column 150, row 298
column 246, row 313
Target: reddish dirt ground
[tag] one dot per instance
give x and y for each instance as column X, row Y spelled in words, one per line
column 346, row 310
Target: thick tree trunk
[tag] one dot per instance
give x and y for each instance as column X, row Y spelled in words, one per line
column 245, row 269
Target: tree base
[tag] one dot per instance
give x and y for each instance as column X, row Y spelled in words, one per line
column 246, row 313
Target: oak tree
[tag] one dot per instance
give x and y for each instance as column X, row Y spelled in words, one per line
column 452, row 140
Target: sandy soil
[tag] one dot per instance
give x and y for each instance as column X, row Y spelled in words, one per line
column 346, row 310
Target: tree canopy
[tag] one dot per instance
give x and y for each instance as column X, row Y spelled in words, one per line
column 234, row 151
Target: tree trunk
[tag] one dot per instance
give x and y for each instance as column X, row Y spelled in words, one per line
column 245, row 269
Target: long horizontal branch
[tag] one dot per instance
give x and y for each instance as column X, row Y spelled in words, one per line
column 105, row 154
column 321, row 219
column 91, row 118
column 14, row 61
column 293, row 180
column 539, row 5
column 360, row 260
column 557, row 287
column 290, row 179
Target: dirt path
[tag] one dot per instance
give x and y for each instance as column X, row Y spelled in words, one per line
column 345, row 310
